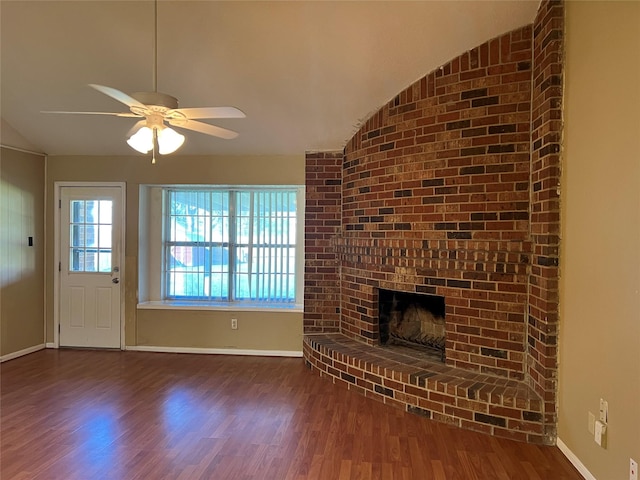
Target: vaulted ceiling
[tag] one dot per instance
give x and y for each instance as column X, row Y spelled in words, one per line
column 306, row 73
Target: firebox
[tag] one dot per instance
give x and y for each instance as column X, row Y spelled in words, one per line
column 412, row 320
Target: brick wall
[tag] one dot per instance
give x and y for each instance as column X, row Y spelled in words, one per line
column 546, row 128
column 322, row 225
column 435, row 200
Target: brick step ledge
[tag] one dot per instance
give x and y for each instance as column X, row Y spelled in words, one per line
column 475, row 401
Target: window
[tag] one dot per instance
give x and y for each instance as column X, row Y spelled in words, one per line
column 90, row 236
column 230, row 244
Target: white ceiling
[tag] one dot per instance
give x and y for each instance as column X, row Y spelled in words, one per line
column 306, row 73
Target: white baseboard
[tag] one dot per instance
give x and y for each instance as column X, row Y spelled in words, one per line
column 216, row 351
column 51, row 345
column 575, row 461
column 20, row 353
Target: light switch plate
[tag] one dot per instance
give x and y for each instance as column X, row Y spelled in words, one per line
column 633, row 469
column 604, row 411
column 591, row 425
column 601, row 434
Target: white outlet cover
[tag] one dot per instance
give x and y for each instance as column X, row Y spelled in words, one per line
column 633, row 469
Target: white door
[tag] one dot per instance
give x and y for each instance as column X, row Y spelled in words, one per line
column 91, row 247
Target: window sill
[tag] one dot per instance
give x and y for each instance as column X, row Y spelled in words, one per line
column 237, row 307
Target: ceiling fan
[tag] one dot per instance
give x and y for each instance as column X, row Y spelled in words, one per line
column 155, row 110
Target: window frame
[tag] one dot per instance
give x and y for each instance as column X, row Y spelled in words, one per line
column 152, row 284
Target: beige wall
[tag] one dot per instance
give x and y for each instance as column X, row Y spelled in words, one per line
column 180, row 328
column 21, row 266
column 600, row 256
column 211, row 329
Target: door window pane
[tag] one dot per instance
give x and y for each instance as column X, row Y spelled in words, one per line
column 90, row 231
column 104, row 237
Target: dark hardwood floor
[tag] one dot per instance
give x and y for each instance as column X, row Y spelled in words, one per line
column 72, row 414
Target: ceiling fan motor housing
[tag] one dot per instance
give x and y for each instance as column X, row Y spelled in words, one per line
column 156, row 99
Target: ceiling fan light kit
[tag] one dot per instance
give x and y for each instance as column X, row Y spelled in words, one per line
column 151, row 134
column 168, row 140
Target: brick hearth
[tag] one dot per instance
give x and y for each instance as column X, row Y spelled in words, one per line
column 484, row 403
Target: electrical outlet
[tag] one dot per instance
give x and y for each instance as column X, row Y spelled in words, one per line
column 633, row 469
column 604, row 411
column 591, row 425
column 234, row 324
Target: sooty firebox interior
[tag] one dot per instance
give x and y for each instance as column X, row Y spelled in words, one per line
column 412, row 320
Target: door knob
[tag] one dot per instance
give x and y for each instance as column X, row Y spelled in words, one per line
column 115, row 280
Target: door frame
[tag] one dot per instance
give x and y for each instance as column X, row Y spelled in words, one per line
column 57, row 199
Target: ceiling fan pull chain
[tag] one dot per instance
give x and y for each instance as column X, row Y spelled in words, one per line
column 153, row 149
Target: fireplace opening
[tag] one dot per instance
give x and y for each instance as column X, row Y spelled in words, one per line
column 412, row 320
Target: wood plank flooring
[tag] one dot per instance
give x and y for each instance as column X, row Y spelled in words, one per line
column 76, row 414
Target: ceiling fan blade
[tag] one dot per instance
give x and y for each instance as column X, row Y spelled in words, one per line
column 115, row 114
column 209, row 112
column 204, row 128
column 118, row 95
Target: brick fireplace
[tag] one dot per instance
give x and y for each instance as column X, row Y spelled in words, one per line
column 449, row 190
